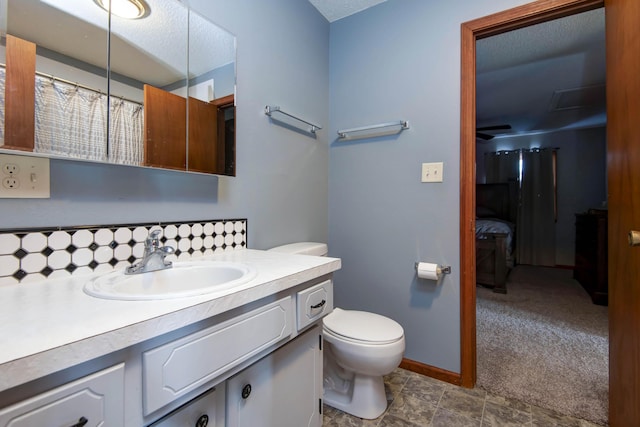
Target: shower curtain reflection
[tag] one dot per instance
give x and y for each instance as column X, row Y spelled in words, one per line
column 126, row 133
column 71, row 121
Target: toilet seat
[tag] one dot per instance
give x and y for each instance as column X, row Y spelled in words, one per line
column 362, row 327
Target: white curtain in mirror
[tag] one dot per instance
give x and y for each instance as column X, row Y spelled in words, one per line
column 126, row 133
column 70, row 121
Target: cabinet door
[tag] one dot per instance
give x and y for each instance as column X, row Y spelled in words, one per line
column 202, row 151
column 92, row 401
column 282, row 390
column 165, row 129
column 205, row 410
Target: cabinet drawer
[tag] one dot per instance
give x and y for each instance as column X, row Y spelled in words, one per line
column 206, row 410
column 98, row 398
column 314, row 303
column 176, row 368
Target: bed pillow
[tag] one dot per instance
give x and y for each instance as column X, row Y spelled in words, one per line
column 485, row 212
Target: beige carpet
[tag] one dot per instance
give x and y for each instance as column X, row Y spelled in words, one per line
column 544, row 343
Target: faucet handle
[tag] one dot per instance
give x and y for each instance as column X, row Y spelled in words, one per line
column 152, row 239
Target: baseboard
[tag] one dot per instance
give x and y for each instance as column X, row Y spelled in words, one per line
column 431, row 371
column 565, row 267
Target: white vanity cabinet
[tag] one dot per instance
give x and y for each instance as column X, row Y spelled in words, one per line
column 180, row 366
column 167, row 363
column 91, row 401
column 205, row 411
column 283, row 389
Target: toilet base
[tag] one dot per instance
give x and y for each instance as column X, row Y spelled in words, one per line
column 364, row 398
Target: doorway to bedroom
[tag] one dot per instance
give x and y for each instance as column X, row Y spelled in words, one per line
column 541, row 192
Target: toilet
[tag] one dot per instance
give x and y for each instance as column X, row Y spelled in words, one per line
column 360, row 347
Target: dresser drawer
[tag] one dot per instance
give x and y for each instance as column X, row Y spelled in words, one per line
column 314, row 303
column 178, row 367
column 97, row 398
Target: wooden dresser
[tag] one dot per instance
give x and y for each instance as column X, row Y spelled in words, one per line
column 591, row 254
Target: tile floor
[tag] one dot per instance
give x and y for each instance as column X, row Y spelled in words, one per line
column 419, row 401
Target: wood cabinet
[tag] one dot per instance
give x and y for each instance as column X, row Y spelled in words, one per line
column 19, row 120
column 165, row 129
column 209, row 147
column 591, row 254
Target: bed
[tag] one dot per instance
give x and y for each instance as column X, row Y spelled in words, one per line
column 496, row 211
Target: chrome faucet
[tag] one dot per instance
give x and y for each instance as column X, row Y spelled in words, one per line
column 154, row 256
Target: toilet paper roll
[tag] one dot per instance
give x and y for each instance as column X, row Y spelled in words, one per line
column 428, row 270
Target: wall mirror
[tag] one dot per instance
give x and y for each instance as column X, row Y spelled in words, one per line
column 155, row 89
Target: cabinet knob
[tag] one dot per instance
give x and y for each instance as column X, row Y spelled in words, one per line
column 203, row 421
column 246, row 391
column 634, row 238
column 81, row 422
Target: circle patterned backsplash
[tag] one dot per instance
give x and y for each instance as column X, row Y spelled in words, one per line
column 36, row 254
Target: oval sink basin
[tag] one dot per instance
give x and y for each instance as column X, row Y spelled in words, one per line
column 184, row 279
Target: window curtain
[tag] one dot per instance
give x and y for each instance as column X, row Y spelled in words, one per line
column 502, row 166
column 536, row 237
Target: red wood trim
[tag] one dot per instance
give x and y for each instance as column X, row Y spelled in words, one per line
column 224, row 101
column 529, row 14
column 467, row 209
column 431, row 371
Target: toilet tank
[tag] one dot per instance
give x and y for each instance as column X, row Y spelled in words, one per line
column 303, row 248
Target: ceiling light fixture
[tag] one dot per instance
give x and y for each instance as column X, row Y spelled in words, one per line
column 129, row 9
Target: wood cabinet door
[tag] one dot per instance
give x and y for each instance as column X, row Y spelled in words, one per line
column 20, row 94
column 165, row 129
column 203, row 136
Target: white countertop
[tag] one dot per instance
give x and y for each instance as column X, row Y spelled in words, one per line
column 51, row 325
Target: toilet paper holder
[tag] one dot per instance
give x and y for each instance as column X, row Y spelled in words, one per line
column 444, row 269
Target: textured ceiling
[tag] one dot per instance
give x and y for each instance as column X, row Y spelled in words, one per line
column 151, row 50
column 544, row 77
column 338, row 9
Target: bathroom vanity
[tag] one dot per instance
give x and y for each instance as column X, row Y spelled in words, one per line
column 246, row 356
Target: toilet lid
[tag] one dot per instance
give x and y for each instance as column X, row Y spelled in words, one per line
column 363, row 326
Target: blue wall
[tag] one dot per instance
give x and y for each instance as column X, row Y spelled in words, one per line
column 281, row 183
column 400, row 60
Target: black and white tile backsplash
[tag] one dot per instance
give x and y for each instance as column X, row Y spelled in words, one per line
column 36, row 254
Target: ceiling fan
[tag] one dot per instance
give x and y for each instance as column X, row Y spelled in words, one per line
column 485, row 136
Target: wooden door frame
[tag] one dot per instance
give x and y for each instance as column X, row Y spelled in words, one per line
column 512, row 19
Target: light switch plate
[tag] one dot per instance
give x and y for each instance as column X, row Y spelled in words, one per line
column 432, row 172
column 24, row 177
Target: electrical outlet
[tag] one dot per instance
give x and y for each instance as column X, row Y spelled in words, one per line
column 10, row 168
column 11, row 183
column 24, row 177
column 432, row 172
